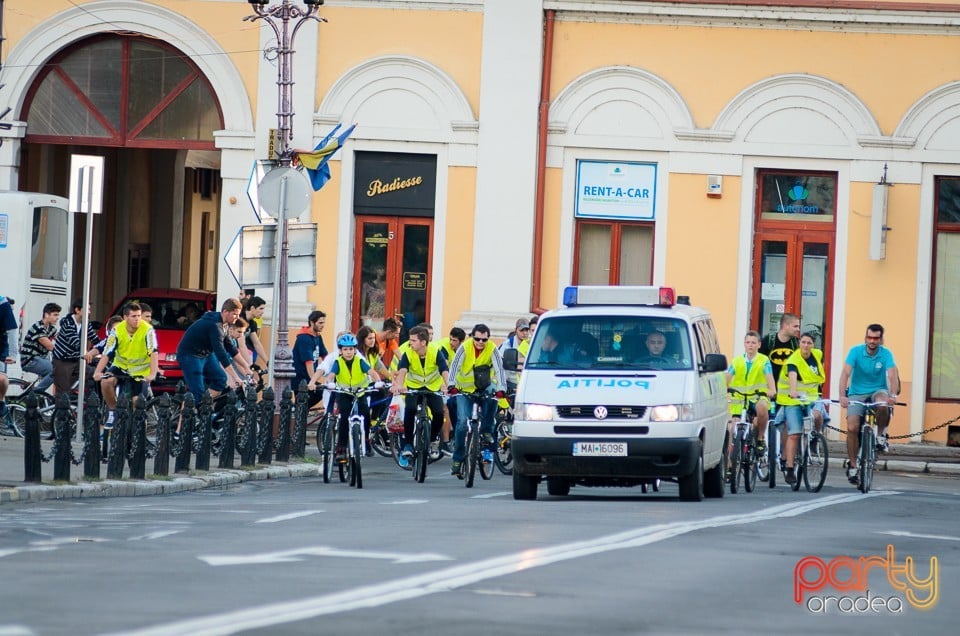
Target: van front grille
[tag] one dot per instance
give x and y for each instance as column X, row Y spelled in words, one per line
column 613, row 412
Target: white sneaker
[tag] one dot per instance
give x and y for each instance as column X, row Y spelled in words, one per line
column 852, row 475
column 883, row 446
column 435, row 450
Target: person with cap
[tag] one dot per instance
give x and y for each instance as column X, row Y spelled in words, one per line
column 518, row 339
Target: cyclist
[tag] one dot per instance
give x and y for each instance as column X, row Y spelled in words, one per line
column 519, row 340
column 70, row 345
column 389, row 340
column 449, row 346
column 779, row 345
column 349, row 372
column 869, row 375
column 477, row 369
column 37, row 345
column 205, row 363
column 234, row 341
column 799, row 386
column 308, row 352
column 421, row 366
column 132, row 345
column 750, row 372
column 253, row 310
column 367, row 343
column 452, row 342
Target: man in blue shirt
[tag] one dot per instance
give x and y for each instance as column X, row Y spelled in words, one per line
column 308, row 352
column 869, row 375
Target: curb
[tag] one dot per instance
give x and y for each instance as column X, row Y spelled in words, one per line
column 141, row 488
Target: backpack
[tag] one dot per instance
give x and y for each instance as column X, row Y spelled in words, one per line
column 482, row 376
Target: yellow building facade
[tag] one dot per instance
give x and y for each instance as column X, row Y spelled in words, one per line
column 732, row 151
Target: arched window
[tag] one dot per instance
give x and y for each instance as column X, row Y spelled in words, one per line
column 112, row 90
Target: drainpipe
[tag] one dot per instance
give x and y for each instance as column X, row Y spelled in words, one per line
column 536, row 305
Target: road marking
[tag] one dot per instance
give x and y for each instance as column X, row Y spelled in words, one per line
column 492, row 495
column 15, row 630
column 458, row 576
column 12, row 551
column 904, row 533
column 288, row 556
column 404, row 502
column 289, row 516
column 159, row 534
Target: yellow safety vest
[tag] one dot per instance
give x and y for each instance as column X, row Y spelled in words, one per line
column 131, row 353
column 524, row 347
column 351, row 377
column 444, row 343
column 425, row 374
column 464, row 379
column 808, row 382
column 400, row 352
column 756, row 380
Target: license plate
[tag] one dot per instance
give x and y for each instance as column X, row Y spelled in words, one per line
column 600, row 449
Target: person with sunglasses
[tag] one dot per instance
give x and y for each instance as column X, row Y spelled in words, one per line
column 477, row 369
column 869, row 375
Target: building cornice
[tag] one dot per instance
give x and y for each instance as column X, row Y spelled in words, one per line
column 817, row 15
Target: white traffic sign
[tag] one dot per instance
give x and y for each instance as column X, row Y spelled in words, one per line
column 253, row 252
column 288, row 187
column 260, row 168
column 232, row 257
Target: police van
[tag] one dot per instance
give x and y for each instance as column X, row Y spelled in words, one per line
column 622, row 386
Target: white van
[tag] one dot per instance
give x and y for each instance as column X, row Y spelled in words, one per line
column 622, row 387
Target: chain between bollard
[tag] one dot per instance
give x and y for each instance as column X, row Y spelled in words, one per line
column 907, row 435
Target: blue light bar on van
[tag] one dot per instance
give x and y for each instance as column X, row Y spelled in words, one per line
column 619, row 295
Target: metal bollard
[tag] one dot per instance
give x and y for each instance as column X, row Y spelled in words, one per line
column 299, row 442
column 283, row 430
column 161, row 461
column 61, row 427
column 91, row 437
column 228, row 436
column 138, row 441
column 248, row 440
column 188, row 419
column 204, row 432
column 266, row 413
column 32, row 455
column 118, row 439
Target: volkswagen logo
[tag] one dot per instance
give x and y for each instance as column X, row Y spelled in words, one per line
column 600, row 412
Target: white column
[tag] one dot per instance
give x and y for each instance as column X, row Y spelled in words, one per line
column 10, row 155
column 506, row 157
column 236, row 161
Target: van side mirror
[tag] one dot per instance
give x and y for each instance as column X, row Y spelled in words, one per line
column 511, row 358
column 714, row 362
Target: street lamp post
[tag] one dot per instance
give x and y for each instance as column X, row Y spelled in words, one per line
column 280, row 16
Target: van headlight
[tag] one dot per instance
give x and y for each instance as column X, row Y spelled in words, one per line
column 535, row 413
column 671, row 413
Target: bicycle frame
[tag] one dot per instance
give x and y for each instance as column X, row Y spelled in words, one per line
column 422, row 433
column 356, row 441
column 472, row 446
column 867, row 455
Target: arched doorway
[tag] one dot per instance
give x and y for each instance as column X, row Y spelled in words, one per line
column 148, row 109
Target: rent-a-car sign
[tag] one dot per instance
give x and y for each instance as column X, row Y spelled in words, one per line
column 616, row 190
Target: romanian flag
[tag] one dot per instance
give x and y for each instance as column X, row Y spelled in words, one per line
column 315, row 161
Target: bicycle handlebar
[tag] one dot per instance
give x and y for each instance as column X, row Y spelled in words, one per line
column 355, row 392
column 871, row 404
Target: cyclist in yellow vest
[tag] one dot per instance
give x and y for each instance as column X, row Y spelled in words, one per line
column 752, row 371
column 801, row 377
column 449, row 346
column 421, row 366
column 477, row 369
column 131, row 350
column 349, row 372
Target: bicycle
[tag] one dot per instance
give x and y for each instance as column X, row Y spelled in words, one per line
column 124, row 387
column 810, row 460
column 503, row 436
column 422, row 435
column 867, row 457
column 472, row 444
column 744, row 458
column 356, row 442
column 17, row 392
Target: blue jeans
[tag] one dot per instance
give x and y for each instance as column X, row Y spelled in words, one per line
column 201, row 374
column 43, row 367
column 488, row 411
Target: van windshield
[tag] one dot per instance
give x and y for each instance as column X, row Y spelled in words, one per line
column 610, row 342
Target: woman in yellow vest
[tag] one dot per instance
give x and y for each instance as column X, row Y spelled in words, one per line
column 801, row 378
column 349, row 372
column 750, row 372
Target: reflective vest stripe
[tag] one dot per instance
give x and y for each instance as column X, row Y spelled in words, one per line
column 132, row 354
column 426, row 374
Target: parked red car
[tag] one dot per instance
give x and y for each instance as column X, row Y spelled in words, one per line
column 173, row 311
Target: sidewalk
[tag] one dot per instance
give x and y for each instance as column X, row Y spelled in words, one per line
column 13, row 488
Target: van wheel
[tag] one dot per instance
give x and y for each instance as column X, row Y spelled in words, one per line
column 713, row 480
column 524, row 487
column 558, row 487
column 691, row 486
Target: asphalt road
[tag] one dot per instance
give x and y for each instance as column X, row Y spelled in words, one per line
column 302, row 557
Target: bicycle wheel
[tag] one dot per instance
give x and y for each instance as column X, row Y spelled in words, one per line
column 867, row 450
column 421, row 449
column 325, row 446
column 17, row 409
column 486, row 468
column 798, row 465
column 503, row 457
column 396, row 445
column 356, row 452
column 750, row 462
column 815, row 469
column 772, row 465
column 736, row 463
column 344, row 469
column 380, row 439
column 472, row 446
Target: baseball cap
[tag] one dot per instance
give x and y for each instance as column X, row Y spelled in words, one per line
column 523, row 323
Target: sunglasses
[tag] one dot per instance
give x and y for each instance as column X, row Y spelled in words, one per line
column 480, row 339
